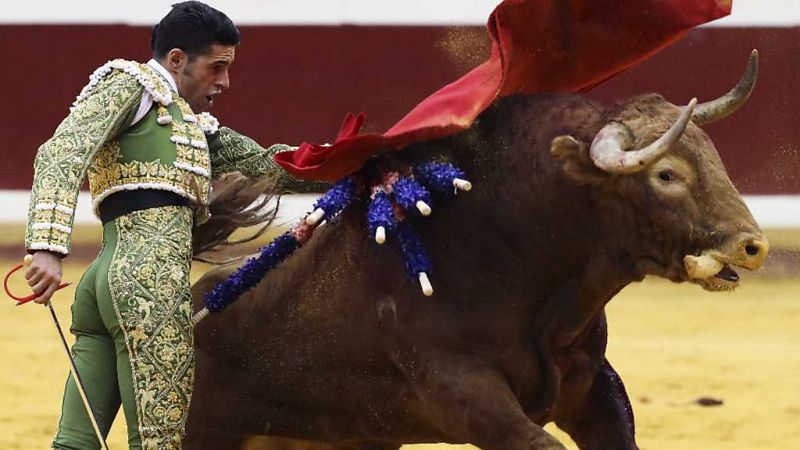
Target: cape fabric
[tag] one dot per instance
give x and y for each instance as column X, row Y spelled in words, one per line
column 538, row 46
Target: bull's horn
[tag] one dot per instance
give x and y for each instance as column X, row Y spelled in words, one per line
column 608, row 148
column 728, row 104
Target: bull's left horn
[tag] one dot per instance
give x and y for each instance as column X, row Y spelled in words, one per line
column 728, row 104
column 608, row 148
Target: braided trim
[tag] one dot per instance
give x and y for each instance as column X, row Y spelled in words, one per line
column 198, row 143
column 193, row 169
column 52, row 206
column 153, row 85
column 208, row 123
column 183, row 140
column 50, row 247
column 49, row 225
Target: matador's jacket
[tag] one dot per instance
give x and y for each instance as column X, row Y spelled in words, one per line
column 170, row 148
column 129, row 130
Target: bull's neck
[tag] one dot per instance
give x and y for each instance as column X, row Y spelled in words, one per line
column 540, row 240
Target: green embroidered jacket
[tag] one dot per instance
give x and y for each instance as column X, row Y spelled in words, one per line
column 170, row 148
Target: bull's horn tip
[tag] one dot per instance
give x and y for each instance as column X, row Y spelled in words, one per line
column 425, row 283
column 689, row 109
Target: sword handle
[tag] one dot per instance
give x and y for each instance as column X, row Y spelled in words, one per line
column 26, row 299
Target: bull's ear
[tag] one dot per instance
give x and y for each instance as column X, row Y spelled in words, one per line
column 575, row 160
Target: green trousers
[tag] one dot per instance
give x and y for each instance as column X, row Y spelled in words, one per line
column 132, row 322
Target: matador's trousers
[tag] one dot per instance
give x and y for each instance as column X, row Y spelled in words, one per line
column 132, row 320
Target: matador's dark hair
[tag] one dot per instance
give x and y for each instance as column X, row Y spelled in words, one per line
column 192, row 27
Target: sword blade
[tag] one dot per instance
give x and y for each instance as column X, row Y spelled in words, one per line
column 78, row 382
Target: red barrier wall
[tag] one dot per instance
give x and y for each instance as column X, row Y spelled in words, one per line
column 291, row 84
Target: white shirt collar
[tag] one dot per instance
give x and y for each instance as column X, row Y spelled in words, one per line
column 163, row 71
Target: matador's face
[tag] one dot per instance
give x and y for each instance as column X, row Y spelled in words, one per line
column 202, row 78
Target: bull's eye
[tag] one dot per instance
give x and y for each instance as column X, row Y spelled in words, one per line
column 666, row 175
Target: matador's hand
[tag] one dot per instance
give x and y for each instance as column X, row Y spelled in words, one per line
column 44, row 275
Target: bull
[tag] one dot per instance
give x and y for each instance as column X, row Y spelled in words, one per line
column 573, row 201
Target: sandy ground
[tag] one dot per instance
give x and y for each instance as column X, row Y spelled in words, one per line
column 672, row 344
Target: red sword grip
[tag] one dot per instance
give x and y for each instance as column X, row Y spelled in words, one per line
column 26, row 299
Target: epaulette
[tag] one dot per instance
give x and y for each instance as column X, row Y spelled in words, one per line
column 156, row 86
column 208, row 123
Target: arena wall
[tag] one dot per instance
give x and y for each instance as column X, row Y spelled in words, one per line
column 339, row 12
column 299, row 70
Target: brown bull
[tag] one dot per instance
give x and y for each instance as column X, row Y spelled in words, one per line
column 573, row 201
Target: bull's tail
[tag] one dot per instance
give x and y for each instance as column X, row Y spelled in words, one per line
column 237, row 202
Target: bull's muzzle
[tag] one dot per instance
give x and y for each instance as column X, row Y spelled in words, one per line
column 712, row 268
column 747, row 250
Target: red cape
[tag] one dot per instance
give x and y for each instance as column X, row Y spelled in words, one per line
column 539, row 46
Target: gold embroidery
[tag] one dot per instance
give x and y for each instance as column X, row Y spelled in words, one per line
column 81, row 143
column 149, row 284
column 233, row 152
column 107, row 175
column 62, row 161
column 153, row 83
column 190, row 142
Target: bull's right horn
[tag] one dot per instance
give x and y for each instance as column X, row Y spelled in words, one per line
column 728, row 104
column 608, row 148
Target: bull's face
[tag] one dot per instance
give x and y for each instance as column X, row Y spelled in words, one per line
column 655, row 157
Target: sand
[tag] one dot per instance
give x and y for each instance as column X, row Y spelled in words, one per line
column 671, row 343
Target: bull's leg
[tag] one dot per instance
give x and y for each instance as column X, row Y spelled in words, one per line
column 471, row 402
column 274, row 443
column 215, row 439
column 213, row 436
column 605, row 419
column 215, row 422
column 279, row 443
column 377, row 446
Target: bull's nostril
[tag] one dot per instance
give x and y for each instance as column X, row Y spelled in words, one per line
column 752, row 250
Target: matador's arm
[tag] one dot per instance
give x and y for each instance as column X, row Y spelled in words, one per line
column 102, row 111
column 234, row 152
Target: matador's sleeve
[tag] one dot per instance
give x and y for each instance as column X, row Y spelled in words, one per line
column 233, row 152
column 102, row 111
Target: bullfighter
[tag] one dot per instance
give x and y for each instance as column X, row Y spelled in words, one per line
column 140, row 134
